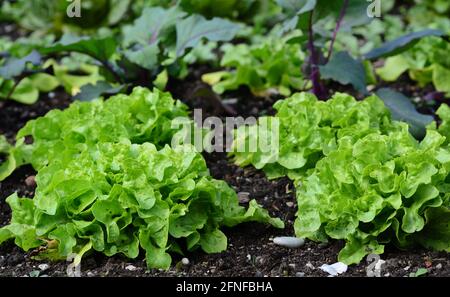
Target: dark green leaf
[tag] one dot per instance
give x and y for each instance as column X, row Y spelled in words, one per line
column 403, row 110
column 14, row 66
column 345, row 70
column 98, row 48
column 149, row 27
column 297, row 6
column 191, row 30
column 401, row 44
column 90, row 92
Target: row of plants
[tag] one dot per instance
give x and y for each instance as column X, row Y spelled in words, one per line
column 108, row 179
column 359, row 175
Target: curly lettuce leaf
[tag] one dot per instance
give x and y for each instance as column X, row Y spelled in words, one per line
column 116, row 197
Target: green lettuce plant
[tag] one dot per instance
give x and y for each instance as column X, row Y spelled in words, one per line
column 381, row 189
column 142, row 116
column 108, row 181
column 270, row 66
column 427, row 62
column 310, row 129
column 117, row 197
column 359, row 176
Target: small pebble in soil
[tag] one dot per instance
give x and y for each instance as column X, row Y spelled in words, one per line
column 334, row 269
column 309, row 265
column 289, row 242
column 185, row 261
column 290, row 204
column 30, row 181
column 259, row 274
column 131, row 268
column 90, row 274
column 299, row 274
column 243, row 197
column 407, row 268
column 43, row 267
column 439, row 266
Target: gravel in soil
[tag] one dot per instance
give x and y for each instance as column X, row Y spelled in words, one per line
column 250, row 252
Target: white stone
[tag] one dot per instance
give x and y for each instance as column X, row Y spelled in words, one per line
column 131, row 268
column 43, row 267
column 334, row 269
column 289, row 242
column 185, row 261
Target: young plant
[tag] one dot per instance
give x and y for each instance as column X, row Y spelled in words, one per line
column 107, row 181
column 272, row 66
column 359, row 176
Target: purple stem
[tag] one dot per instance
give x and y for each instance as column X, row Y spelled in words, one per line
column 338, row 26
column 318, row 88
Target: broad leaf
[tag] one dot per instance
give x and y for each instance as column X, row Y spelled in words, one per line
column 151, row 25
column 401, row 44
column 100, row 49
column 193, row 29
column 297, row 7
column 90, row 92
column 15, row 66
column 403, row 110
column 345, row 70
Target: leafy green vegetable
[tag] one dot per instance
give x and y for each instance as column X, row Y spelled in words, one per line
column 309, row 130
column 273, row 65
column 103, row 185
column 359, row 175
column 376, row 190
column 427, row 62
column 51, row 16
column 116, row 197
column 143, row 116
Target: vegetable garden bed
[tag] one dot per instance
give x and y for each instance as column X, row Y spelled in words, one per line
column 250, row 250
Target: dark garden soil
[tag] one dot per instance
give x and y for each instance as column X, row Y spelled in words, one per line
column 251, row 251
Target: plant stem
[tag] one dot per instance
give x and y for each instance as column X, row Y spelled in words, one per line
column 338, row 26
column 13, row 89
column 318, row 88
column 111, row 70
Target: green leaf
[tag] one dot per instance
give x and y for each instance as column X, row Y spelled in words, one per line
column 404, row 110
column 90, row 92
column 393, row 67
column 441, row 78
column 436, row 234
column 44, row 82
column 108, row 181
column 25, row 92
column 192, row 30
column 151, row 26
column 419, row 272
column 297, row 7
column 118, row 9
column 213, row 242
column 146, row 57
column 345, row 70
column 401, row 44
column 100, row 49
column 16, row 66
